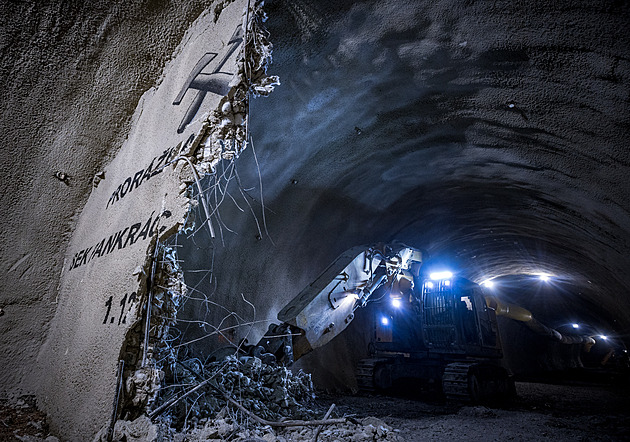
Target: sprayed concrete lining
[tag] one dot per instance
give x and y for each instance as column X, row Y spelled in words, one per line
column 515, row 114
column 141, row 197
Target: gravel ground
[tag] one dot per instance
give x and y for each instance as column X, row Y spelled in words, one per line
column 541, row 412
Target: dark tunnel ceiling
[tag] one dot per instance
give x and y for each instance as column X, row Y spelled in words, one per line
column 492, row 134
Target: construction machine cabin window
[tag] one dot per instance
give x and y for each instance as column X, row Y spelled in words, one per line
column 467, row 315
column 438, row 314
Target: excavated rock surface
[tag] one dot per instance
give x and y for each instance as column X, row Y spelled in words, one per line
column 491, row 134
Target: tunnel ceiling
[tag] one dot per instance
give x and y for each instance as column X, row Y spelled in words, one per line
column 494, row 135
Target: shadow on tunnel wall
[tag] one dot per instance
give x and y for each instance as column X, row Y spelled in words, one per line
column 240, row 280
column 459, row 130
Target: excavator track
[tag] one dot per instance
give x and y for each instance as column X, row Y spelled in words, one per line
column 365, row 373
column 455, row 382
column 471, row 381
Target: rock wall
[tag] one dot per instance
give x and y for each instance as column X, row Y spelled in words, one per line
column 77, row 275
column 490, row 134
column 493, row 134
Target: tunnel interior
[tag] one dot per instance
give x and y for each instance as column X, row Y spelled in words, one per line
column 493, row 137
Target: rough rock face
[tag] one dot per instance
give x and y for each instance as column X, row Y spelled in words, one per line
column 491, row 134
column 494, row 135
column 71, row 77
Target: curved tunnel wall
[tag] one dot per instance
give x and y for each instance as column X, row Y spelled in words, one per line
column 72, row 75
column 492, row 135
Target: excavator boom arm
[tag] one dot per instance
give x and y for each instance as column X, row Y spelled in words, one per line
column 326, row 307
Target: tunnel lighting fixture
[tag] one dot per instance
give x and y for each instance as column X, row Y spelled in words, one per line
column 575, row 325
column 436, row 276
column 488, row 284
column 429, row 285
column 447, row 282
column 385, row 321
column 544, row 277
column 603, row 337
column 396, row 303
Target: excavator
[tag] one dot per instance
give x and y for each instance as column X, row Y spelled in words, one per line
column 441, row 329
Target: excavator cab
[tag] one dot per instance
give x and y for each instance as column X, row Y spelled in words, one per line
column 442, row 332
column 455, row 318
column 440, row 316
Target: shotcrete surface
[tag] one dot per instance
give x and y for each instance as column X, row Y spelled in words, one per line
column 71, row 75
column 491, row 134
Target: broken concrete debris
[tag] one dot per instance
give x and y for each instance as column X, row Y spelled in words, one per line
column 224, row 135
column 168, row 398
column 144, row 175
column 225, row 427
column 268, row 391
column 369, row 429
column 142, row 386
column 166, row 285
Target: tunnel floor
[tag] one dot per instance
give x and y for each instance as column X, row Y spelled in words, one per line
column 542, row 411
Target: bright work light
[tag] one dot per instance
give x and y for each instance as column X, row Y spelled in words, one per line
column 436, row 276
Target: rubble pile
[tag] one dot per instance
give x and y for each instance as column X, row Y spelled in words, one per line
column 224, row 428
column 368, row 429
column 271, row 392
column 200, row 402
